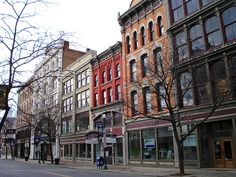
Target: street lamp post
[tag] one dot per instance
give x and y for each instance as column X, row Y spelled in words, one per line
column 104, row 141
column 39, row 148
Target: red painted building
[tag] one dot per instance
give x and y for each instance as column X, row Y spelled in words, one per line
column 107, row 101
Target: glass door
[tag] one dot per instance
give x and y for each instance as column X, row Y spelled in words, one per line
column 223, row 154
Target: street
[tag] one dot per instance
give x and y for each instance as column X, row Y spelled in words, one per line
column 11, row 168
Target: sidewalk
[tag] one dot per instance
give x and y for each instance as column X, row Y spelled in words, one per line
column 148, row 171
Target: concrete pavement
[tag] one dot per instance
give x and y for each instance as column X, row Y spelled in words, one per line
column 148, row 171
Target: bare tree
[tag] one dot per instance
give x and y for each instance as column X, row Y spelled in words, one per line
column 21, row 45
column 167, row 86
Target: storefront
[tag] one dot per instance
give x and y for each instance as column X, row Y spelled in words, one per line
column 111, row 134
column 218, row 144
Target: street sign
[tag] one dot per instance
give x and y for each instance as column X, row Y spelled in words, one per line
column 100, row 127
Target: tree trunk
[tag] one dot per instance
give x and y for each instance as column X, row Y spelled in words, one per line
column 50, row 146
column 180, row 149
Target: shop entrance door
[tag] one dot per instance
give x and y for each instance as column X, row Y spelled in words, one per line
column 109, row 155
column 223, row 154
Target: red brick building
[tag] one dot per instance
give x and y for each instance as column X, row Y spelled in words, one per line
column 107, row 85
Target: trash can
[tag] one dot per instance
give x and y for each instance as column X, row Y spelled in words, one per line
column 100, row 162
column 57, row 161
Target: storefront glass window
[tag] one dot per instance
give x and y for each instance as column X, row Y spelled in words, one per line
column 82, row 152
column 190, row 148
column 88, row 150
column 134, row 145
column 165, row 143
column 119, row 150
column 149, row 144
column 68, row 150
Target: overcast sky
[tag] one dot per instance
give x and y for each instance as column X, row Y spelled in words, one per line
column 93, row 22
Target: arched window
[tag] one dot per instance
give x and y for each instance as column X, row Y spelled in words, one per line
column 109, row 74
column 118, row 92
column 229, row 19
column 144, row 62
column 133, row 70
column 212, row 28
column 147, row 100
column 151, row 31
column 158, row 61
column 127, row 44
column 118, row 70
column 135, row 40
column 160, row 26
column 134, row 102
column 196, row 40
column 103, row 77
column 143, row 36
column 96, row 80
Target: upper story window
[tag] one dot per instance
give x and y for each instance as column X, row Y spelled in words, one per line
column 135, row 40
column 95, row 99
column 104, row 97
column 118, row 92
column 147, row 100
column 196, row 40
column 110, row 95
column 212, row 28
column 67, row 104
column 134, row 102
column 158, row 60
column 143, row 36
column 229, row 20
column 83, row 99
column 83, row 78
column 160, row 26
column 66, row 126
column 96, row 80
column 151, row 31
column 145, row 68
column 161, row 97
column 219, row 79
column 109, row 78
column 118, row 70
column 186, row 89
column 133, row 70
column 201, row 86
column 103, row 77
column 68, row 86
column 205, row 2
column 177, row 9
column 127, row 44
column 192, row 6
column 181, row 44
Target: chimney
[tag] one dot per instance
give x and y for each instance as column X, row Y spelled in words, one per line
column 88, row 50
column 66, row 45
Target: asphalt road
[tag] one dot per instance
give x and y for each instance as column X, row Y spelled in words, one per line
column 10, row 168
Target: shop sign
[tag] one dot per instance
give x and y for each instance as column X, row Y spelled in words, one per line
column 149, row 143
column 91, row 141
column 110, row 140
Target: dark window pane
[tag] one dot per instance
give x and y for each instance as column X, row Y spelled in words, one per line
column 205, row 2
column 192, row 6
column 197, row 45
column 178, row 14
column 229, row 18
